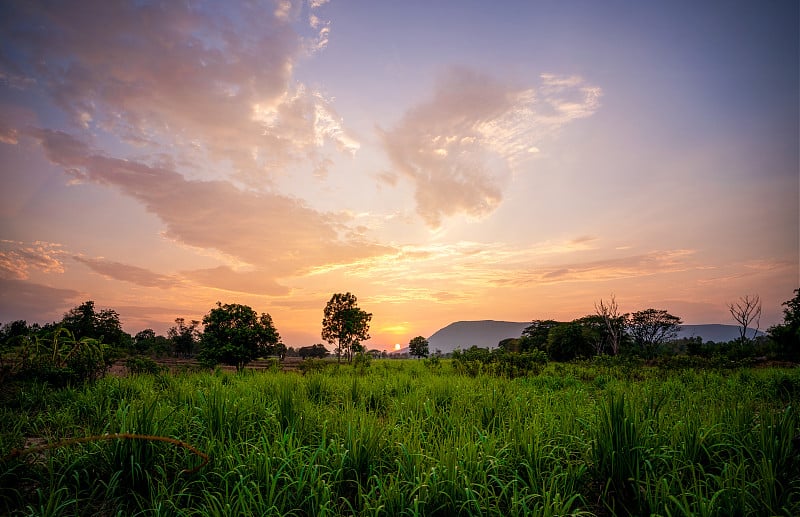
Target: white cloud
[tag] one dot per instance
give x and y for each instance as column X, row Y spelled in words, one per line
column 459, row 147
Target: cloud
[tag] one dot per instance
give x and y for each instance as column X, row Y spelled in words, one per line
column 184, row 76
column 19, row 299
column 656, row 262
column 223, row 277
column 459, row 147
column 18, row 258
column 127, row 273
column 278, row 234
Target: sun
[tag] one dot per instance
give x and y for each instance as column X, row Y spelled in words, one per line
column 397, row 346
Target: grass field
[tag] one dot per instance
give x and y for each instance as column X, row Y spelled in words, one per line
column 400, row 439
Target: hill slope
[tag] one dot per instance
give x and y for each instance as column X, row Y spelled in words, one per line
column 487, row 333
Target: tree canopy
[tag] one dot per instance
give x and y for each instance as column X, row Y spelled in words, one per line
column 235, row 335
column 418, row 347
column 650, row 328
column 344, row 325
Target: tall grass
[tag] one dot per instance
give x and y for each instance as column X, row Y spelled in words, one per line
column 401, row 439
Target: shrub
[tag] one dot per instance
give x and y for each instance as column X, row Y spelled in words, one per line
column 143, row 365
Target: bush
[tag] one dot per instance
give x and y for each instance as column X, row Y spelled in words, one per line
column 143, row 365
column 312, row 366
column 64, row 360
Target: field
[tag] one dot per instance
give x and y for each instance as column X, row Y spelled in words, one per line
column 399, row 438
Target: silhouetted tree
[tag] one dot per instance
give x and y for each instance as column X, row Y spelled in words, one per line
column 534, row 336
column 614, row 322
column 344, row 325
column 184, row 337
column 318, row 350
column 650, row 328
column 745, row 311
column 235, row 335
column 84, row 321
column 566, row 341
column 786, row 336
column 418, row 347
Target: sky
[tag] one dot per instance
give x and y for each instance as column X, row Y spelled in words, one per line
column 443, row 161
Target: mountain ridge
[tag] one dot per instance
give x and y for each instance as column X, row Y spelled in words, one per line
column 488, row 333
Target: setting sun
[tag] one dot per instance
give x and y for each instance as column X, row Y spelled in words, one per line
column 397, row 346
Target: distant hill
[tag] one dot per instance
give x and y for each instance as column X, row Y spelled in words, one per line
column 716, row 333
column 488, row 333
column 464, row 334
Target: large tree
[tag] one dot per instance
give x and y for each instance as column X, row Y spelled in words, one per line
column 418, row 347
column 650, row 328
column 566, row 341
column 344, row 325
column 787, row 335
column 84, row 321
column 235, row 334
column 534, row 336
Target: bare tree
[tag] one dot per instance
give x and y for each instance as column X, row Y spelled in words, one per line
column 614, row 321
column 746, row 310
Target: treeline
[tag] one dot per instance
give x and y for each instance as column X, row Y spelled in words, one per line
column 86, row 341
column 652, row 333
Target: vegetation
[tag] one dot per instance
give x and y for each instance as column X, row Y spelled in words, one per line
column 418, row 347
column 590, row 438
column 235, row 335
column 345, row 326
column 787, row 335
column 598, row 416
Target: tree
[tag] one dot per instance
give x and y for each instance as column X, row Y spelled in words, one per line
column 534, row 337
column 786, row 336
column 745, row 311
column 418, row 347
column 566, row 341
column 650, row 328
column 595, row 333
column 83, row 321
column 235, row 335
column 344, row 325
column 184, row 337
column 318, row 350
column 614, row 322
column 144, row 340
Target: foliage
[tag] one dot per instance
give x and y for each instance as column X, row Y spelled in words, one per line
column 579, row 439
column 235, row 335
column 184, row 338
column 534, row 337
column 418, row 347
column 318, row 350
column 499, row 362
column 344, row 325
column 61, row 360
column 786, row 336
column 138, row 365
column 651, row 328
column 566, row 341
column 84, row 321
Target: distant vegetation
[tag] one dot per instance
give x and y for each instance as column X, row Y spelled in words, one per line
column 605, row 415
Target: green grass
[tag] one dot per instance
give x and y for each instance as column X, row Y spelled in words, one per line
column 403, row 439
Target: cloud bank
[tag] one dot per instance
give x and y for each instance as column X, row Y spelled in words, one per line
column 276, row 234
column 459, row 147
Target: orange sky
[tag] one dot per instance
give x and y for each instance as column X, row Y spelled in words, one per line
column 442, row 162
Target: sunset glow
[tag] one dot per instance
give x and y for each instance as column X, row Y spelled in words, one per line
column 442, row 161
